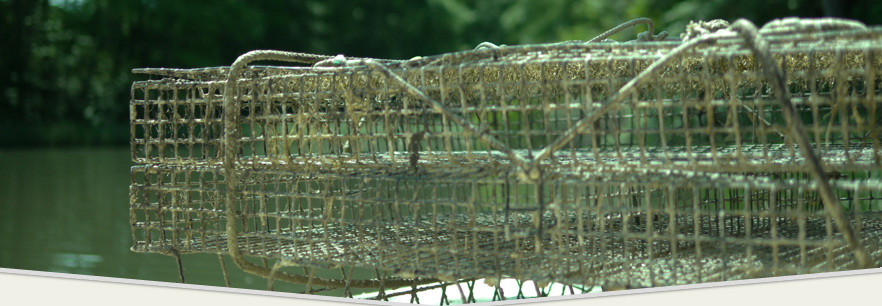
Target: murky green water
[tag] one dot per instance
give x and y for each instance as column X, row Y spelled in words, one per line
column 67, row 210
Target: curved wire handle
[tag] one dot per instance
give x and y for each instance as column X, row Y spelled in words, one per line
column 747, row 31
column 740, row 29
column 760, row 48
column 230, row 149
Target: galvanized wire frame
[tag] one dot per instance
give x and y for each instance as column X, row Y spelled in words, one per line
column 734, row 155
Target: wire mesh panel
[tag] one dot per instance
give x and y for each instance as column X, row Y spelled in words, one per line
column 635, row 165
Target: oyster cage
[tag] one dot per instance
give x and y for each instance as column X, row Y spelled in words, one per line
column 586, row 164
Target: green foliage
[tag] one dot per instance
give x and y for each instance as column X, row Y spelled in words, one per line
column 65, row 73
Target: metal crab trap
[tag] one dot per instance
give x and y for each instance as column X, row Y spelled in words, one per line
column 734, row 153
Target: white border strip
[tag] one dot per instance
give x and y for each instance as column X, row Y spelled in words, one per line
column 508, row 302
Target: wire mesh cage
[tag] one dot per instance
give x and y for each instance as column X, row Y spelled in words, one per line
column 599, row 164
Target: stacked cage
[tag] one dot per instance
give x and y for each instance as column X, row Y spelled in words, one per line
column 595, row 164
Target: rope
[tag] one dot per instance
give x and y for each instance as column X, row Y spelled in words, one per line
column 641, row 37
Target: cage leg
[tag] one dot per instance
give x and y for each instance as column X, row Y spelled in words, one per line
column 224, row 269
column 413, row 293
column 471, row 286
column 520, row 294
column 309, row 281
column 381, row 295
column 540, row 289
column 271, row 277
column 348, row 278
column 283, row 262
column 180, row 267
column 173, row 252
column 461, row 293
column 444, row 295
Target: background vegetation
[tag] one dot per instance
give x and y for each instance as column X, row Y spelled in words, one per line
column 65, row 66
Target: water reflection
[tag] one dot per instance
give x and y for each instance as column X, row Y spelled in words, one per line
column 67, row 210
column 74, row 263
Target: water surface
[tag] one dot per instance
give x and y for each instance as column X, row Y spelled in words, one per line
column 67, row 210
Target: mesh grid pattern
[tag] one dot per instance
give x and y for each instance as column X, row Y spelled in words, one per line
column 514, row 163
